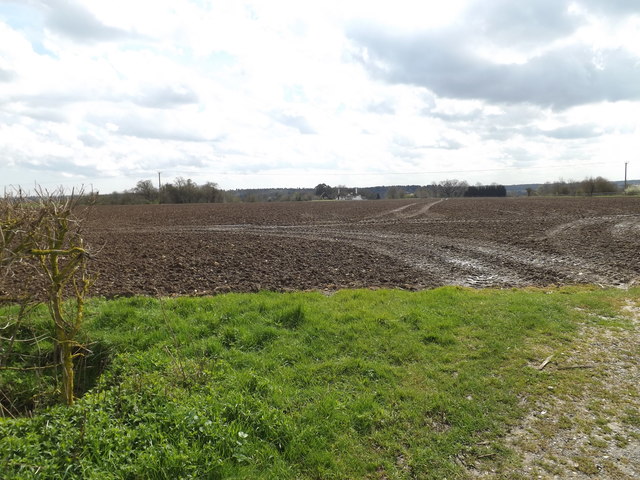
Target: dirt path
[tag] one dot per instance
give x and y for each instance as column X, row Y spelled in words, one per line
column 593, row 432
column 411, row 210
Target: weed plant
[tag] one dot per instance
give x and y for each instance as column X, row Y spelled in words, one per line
column 360, row 384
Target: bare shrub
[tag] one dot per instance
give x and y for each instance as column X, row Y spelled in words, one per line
column 43, row 259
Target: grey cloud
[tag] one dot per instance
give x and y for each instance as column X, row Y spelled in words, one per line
column 512, row 121
column 90, row 140
column 295, row 121
column 27, row 107
column 157, row 97
column 71, row 19
column 62, row 166
column 491, row 132
column 154, row 128
column 403, row 141
column 167, row 97
column 520, row 157
column 407, row 149
column 570, row 132
column 46, row 114
column 7, row 75
column 615, row 7
column 559, row 79
column 472, row 116
column 405, row 153
column 444, row 60
column 448, row 144
column 54, row 99
column 496, row 131
column 519, row 114
column 525, row 23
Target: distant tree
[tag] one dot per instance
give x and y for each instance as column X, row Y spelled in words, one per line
column 395, row 192
column 209, row 193
column 486, row 191
column 605, row 186
column 423, row 192
column 588, row 186
column 452, row 188
column 323, row 190
column 146, row 190
column 181, row 191
column 632, row 190
column 591, row 185
column 560, row 187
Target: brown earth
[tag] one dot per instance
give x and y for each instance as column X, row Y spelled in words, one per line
column 412, row 244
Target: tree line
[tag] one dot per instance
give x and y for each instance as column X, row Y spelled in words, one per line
column 486, row 191
column 182, row 190
column 588, row 187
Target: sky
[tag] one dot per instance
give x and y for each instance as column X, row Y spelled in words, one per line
column 290, row 93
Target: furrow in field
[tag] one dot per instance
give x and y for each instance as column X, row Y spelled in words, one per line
column 454, row 261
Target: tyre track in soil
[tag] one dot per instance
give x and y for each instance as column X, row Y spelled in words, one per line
column 411, row 210
column 452, row 261
column 418, row 244
column 456, row 261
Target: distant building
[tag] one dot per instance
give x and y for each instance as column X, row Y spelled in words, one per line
column 353, row 195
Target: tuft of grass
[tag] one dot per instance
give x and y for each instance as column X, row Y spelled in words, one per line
column 361, row 384
column 292, row 317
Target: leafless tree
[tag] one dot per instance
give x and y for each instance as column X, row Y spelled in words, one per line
column 452, row 188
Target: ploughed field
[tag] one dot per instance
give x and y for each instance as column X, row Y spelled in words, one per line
column 413, row 244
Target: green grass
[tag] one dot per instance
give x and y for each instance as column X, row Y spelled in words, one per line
column 360, row 384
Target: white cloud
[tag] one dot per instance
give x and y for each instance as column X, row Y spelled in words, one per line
column 283, row 92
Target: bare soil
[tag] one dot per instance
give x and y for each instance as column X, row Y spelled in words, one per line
column 410, row 244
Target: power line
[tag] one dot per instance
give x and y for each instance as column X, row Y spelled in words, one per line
column 378, row 173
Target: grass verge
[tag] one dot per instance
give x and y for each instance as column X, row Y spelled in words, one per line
column 360, row 384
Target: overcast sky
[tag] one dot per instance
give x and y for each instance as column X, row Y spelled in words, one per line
column 295, row 93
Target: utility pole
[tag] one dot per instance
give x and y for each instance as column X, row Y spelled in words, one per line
column 159, row 182
column 625, row 175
